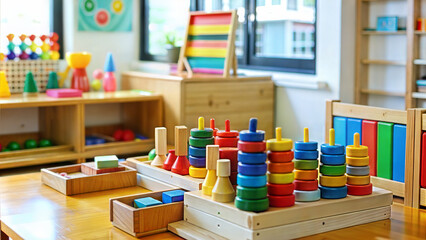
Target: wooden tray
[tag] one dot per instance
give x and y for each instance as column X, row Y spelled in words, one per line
column 303, row 219
column 185, row 182
column 80, row 183
column 144, row 221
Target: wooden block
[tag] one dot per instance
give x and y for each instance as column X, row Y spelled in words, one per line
column 339, row 125
column 369, row 139
column 276, row 217
column 208, row 29
column 212, row 155
column 423, row 162
column 397, row 188
column 384, row 149
column 223, row 190
column 398, row 154
column 110, row 161
column 232, row 155
column 161, row 140
column 146, row 202
column 172, row 196
column 181, row 136
column 90, row 169
column 353, row 125
column 144, row 221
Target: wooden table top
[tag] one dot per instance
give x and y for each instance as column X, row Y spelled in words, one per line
column 31, row 210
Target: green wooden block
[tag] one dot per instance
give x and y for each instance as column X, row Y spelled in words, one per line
column 106, row 162
column 384, row 149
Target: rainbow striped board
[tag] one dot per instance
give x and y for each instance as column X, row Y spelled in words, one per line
column 209, row 45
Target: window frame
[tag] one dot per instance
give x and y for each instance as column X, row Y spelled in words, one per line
column 57, row 23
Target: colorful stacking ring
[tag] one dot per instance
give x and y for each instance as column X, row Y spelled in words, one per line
column 252, row 147
column 280, row 167
column 333, row 192
column 360, row 151
column 248, row 136
column 198, row 162
column 358, row 161
column 197, row 152
column 305, row 164
column 280, row 156
column 332, row 181
column 252, row 205
column 252, row 169
column 226, row 142
column 229, row 134
column 358, row 171
column 251, row 181
column 307, row 196
column 280, row 189
column 280, row 178
column 306, row 146
column 358, row 180
column 201, row 142
column 281, row 201
column 283, row 145
column 197, row 172
column 333, row 159
column 252, row 193
column 306, row 174
column 251, row 158
column 360, row 190
column 332, row 150
column 204, row 133
column 306, row 155
column 306, row 185
column 333, row 170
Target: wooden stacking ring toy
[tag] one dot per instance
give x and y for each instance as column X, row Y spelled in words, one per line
column 201, row 132
column 252, row 147
column 252, row 170
column 358, row 180
column 252, row 193
column 201, row 142
column 279, row 144
column 281, row 201
column 197, row 172
column 333, row 170
column 332, row 181
column 333, row 159
column 281, row 157
column 280, row 189
column 358, row 171
column 307, row 196
column 228, row 133
column 280, row 167
column 333, row 192
column 360, row 190
column 198, row 162
column 197, row 152
column 226, row 142
column 306, row 185
column 251, row 158
column 228, row 153
column 305, row 164
column 280, row 178
column 358, row 161
column 332, row 148
column 252, row 205
column 252, row 135
column 306, row 174
column 356, row 150
column 305, row 145
column 306, row 155
column 251, row 181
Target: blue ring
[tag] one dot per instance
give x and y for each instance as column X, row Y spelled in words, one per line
column 252, row 170
column 251, row 158
column 307, row 196
column 251, row 181
column 248, row 136
column 333, row 159
column 198, row 162
column 333, row 192
column 306, row 155
column 306, row 146
column 358, row 171
column 197, row 151
column 332, row 150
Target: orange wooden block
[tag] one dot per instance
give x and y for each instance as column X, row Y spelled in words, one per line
column 286, row 167
column 306, row 175
column 90, row 169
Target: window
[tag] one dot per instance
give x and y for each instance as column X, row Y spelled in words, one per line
column 291, row 4
column 35, row 18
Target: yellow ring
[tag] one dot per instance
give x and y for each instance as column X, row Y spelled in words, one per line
column 352, row 151
column 280, row 178
column 285, row 144
column 197, row 172
column 358, row 180
column 358, row 161
column 332, row 181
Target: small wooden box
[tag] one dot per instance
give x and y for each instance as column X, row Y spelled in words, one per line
column 90, row 169
column 81, row 183
column 144, row 221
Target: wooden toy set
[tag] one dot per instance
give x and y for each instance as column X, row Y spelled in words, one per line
column 419, row 161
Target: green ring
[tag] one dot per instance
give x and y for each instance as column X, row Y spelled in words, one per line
column 300, row 164
column 333, row 170
column 205, row 133
column 252, row 193
column 259, row 205
column 200, row 142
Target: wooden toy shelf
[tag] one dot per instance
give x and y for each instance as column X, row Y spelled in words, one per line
column 63, row 121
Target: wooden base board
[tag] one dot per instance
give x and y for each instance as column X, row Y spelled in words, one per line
column 184, row 182
column 153, row 184
column 397, row 188
column 191, row 232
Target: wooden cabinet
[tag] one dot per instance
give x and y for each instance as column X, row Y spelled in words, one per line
column 185, row 99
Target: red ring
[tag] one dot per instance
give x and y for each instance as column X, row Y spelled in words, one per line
column 281, row 167
column 280, row 189
column 232, row 155
column 226, row 142
column 252, row 147
column 302, row 185
column 281, row 201
column 233, row 178
column 286, row 156
column 225, row 134
column 360, row 190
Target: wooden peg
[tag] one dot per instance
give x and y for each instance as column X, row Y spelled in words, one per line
column 200, row 123
column 356, row 139
column 279, row 144
column 278, row 133
column 331, row 136
column 306, row 135
column 223, row 190
column 212, row 155
column 160, row 146
column 181, row 139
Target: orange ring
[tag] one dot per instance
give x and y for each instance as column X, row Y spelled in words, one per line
column 281, row 157
column 281, row 167
column 306, row 175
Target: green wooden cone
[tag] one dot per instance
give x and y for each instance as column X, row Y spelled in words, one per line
column 30, row 84
column 52, row 82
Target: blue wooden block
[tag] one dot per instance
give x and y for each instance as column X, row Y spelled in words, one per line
column 337, row 149
column 252, row 158
column 198, row 162
column 251, row 181
column 197, row 151
column 353, row 125
column 333, row 159
column 399, row 139
column 146, row 202
column 333, row 192
column 252, row 169
column 173, row 196
column 339, row 125
column 306, row 146
column 306, row 155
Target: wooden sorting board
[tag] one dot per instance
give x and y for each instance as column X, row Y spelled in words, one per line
column 303, row 219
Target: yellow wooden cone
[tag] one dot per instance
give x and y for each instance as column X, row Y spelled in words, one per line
column 4, row 86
